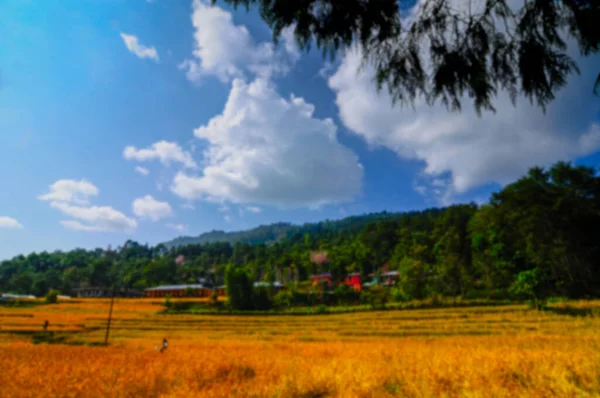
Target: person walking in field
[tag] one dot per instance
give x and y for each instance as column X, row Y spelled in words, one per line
column 165, row 344
column 46, row 324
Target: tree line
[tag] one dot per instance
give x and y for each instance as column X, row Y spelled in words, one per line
column 535, row 238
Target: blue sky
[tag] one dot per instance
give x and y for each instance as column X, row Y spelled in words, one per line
column 149, row 120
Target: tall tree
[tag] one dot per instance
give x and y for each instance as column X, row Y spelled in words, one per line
column 449, row 50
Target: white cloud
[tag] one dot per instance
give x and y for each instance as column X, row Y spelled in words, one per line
column 226, row 50
column 9, row 223
column 166, row 152
column 188, row 206
column 227, row 218
column 133, row 45
column 264, row 149
column 494, row 148
column 290, row 44
column 223, row 208
column 177, row 227
column 142, row 170
column 326, row 70
column 94, row 218
column 72, row 191
column 150, row 208
column 72, row 198
column 254, row 209
column 78, row 226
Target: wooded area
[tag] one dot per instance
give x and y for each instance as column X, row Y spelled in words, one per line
column 536, row 238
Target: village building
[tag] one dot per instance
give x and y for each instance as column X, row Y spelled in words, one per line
column 276, row 286
column 192, row 290
column 98, row 292
column 317, row 279
column 354, row 281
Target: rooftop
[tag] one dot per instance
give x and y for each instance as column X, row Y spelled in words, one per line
column 175, row 287
column 267, row 284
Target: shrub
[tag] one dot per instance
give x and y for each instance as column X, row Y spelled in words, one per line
column 437, row 300
column 282, row 299
column 168, row 302
column 52, row 297
column 345, row 295
column 398, row 295
column 530, row 285
column 188, row 292
column 321, row 309
column 375, row 296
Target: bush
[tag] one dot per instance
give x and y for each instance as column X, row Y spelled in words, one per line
column 321, row 309
column 375, row 296
column 168, row 302
column 282, row 299
column 345, row 295
column 529, row 285
column 52, row 297
column 398, row 295
column 188, row 292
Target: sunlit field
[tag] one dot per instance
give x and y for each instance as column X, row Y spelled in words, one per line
column 504, row 351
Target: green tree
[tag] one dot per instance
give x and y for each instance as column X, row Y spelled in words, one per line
column 239, row 288
column 52, row 296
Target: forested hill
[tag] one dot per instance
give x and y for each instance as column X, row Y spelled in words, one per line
column 536, row 237
column 269, row 234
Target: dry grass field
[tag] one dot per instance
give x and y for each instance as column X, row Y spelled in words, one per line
column 502, row 351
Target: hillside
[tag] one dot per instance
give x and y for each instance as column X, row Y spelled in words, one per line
column 272, row 233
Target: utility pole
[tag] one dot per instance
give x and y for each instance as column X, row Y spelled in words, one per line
column 112, row 301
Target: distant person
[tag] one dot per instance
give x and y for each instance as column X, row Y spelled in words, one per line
column 165, row 344
column 46, row 324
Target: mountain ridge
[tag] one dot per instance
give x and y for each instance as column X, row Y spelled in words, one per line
column 272, row 233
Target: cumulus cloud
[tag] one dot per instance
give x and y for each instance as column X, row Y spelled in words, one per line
column 72, row 198
column 177, row 227
column 142, row 170
column 150, row 208
column 164, row 151
column 254, row 209
column 72, row 191
column 227, row 218
column 9, row 223
column 94, row 218
column 267, row 149
column 493, row 148
column 188, row 206
column 226, row 50
column 133, row 45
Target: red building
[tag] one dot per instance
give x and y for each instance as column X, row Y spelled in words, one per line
column 353, row 280
column 319, row 278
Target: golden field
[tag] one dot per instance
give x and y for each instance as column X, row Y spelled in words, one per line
column 501, row 351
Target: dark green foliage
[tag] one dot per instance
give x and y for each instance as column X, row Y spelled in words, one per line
column 345, row 295
column 270, row 234
column 261, row 299
column 282, row 299
column 52, row 297
column 376, row 297
column 448, row 51
column 239, row 288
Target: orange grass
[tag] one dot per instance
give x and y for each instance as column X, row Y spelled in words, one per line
column 472, row 352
